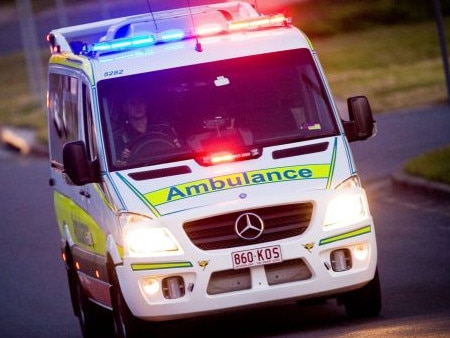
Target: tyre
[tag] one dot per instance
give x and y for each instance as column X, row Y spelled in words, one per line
column 125, row 324
column 364, row 302
column 94, row 321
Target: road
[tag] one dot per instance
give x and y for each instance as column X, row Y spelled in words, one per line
column 413, row 231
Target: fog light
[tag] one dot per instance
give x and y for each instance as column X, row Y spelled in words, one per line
column 341, row 260
column 150, row 286
column 361, row 252
column 173, row 287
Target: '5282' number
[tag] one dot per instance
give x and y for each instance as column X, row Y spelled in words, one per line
column 113, row 73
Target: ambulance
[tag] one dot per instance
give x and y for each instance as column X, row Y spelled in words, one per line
column 199, row 165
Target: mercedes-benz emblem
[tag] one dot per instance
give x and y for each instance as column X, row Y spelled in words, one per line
column 249, row 226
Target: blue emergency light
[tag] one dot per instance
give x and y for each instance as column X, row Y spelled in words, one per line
column 149, row 38
column 124, row 43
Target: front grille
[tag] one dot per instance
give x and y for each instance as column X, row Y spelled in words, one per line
column 280, row 222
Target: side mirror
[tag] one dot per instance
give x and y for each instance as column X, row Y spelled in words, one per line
column 77, row 166
column 361, row 124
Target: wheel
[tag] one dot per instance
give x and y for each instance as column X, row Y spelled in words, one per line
column 94, row 321
column 125, row 324
column 85, row 311
column 364, row 302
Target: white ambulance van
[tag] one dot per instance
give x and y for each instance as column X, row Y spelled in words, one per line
column 200, row 165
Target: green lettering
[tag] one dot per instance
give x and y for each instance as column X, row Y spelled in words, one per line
column 258, row 178
column 277, row 175
column 290, row 174
column 197, row 189
column 305, row 173
column 216, row 184
column 175, row 193
column 234, row 184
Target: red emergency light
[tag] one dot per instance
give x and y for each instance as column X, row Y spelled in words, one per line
column 214, row 158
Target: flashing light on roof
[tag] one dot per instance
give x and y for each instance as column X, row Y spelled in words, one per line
column 209, row 29
column 259, row 22
column 172, row 35
column 138, row 41
column 124, row 43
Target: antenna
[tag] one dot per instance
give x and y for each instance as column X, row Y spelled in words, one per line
column 255, row 5
column 151, row 12
column 198, row 45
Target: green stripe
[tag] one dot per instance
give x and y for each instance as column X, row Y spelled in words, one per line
column 84, row 230
column 74, row 61
column 157, row 266
column 332, row 164
column 140, row 196
column 354, row 233
column 103, row 197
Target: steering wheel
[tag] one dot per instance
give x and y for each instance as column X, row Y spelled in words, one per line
column 151, row 144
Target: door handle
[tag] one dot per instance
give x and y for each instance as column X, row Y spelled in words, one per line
column 84, row 193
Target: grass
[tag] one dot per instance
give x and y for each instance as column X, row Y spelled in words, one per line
column 17, row 106
column 396, row 67
column 433, row 165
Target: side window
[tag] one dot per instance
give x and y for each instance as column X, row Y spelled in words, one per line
column 63, row 113
column 89, row 125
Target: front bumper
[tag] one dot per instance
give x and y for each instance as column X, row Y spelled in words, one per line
column 204, row 282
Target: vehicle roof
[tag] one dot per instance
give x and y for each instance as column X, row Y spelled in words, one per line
column 172, row 38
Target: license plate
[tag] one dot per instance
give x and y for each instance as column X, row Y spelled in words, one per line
column 254, row 257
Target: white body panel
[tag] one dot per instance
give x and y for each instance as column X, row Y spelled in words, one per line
column 209, row 281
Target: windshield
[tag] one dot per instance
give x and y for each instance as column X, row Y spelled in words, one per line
column 237, row 105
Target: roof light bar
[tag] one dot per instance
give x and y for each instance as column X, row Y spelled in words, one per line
column 259, row 22
column 209, row 29
column 124, row 43
column 173, row 35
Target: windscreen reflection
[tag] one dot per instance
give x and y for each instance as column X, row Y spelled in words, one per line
column 227, row 106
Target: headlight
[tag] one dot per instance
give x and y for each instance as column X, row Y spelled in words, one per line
column 352, row 182
column 143, row 236
column 348, row 205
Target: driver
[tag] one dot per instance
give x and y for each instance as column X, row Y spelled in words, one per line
column 136, row 124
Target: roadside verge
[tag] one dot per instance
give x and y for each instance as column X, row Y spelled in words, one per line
column 22, row 140
column 404, row 180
